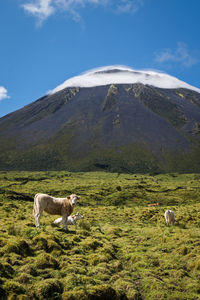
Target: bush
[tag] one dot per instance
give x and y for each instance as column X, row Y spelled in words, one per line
column 85, row 225
column 6, row 270
column 14, row 230
column 45, row 260
column 104, row 291
column 18, row 246
column 2, row 289
column 49, row 289
column 11, row 286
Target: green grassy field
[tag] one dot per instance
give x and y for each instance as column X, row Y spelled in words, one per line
column 122, row 249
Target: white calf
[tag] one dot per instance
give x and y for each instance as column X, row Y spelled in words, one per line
column 169, row 217
column 71, row 220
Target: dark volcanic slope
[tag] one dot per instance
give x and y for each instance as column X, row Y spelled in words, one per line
column 118, row 127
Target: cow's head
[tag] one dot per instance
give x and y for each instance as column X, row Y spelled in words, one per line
column 73, row 199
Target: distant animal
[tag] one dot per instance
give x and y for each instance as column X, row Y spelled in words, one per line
column 71, row 220
column 169, row 217
column 54, row 206
column 154, row 204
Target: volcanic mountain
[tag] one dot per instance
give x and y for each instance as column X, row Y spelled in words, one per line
column 113, row 118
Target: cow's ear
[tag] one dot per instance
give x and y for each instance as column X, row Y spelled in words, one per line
column 68, row 197
column 78, row 197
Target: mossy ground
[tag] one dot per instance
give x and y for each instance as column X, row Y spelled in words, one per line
column 122, row 249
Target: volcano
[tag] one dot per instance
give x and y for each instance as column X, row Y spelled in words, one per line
column 112, row 118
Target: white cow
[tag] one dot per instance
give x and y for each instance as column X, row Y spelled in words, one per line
column 169, row 217
column 54, row 206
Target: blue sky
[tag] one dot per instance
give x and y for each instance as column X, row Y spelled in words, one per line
column 45, row 42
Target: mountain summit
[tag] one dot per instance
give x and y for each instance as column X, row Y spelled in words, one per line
column 123, row 75
column 112, row 118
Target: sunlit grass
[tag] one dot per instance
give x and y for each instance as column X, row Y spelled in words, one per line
column 122, row 249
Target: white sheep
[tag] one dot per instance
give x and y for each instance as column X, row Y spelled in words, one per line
column 54, row 206
column 169, row 217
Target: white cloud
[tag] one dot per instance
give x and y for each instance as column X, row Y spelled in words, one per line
column 128, row 6
column 43, row 9
column 123, row 75
column 3, row 93
column 180, row 55
column 73, row 6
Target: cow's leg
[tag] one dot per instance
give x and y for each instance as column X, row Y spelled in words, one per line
column 37, row 211
column 37, row 219
column 64, row 222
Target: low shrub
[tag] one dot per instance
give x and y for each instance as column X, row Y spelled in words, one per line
column 11, row 286
column 46, row 242
column 6, row 270
column 45, row 260
column 49, row 289
column 18, row 246
column 14, row 229
column 104, row 291
column 85, row 225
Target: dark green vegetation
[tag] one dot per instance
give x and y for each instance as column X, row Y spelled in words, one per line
column 121, row 250
column 130, row 128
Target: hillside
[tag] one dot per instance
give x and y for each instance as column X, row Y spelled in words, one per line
column 133, row 127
